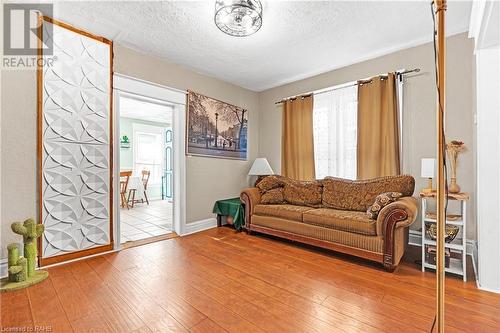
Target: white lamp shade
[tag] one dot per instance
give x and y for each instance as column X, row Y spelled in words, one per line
column 427, row 169
column 260, row 167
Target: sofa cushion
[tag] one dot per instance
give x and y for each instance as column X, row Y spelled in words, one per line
column 303, row 193
column 351, row 221
column 271, row 182
column 370, row 243
column 289, row 212
column 358, row 195
column 273, row 197
column 381, row 201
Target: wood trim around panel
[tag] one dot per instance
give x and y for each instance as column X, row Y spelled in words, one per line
column 111, row 144
column 76, row 30
column 39, row 119
column 75, row 255
column 98, row 249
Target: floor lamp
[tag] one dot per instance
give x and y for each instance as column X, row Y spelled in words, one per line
column 440, row 10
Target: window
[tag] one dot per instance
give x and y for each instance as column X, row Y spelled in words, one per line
column 335, row 133
column 149, row 151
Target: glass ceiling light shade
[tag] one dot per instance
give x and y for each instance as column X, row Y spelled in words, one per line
column 238, row 18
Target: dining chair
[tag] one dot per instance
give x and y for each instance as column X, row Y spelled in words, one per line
column 145, row 179
column 124, row 178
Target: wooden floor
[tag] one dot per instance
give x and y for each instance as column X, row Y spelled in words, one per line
column 222, row 281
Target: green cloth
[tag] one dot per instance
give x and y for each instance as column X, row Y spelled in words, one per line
column 231, row 207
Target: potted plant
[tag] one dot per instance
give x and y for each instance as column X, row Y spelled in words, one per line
column 124, row 142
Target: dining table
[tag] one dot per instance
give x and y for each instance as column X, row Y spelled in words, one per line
column 135, row 183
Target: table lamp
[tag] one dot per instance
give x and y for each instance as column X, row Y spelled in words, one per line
column 260, row 168
column 427, row 171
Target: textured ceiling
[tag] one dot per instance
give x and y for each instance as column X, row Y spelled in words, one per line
column 298, row 39
column 138, row 109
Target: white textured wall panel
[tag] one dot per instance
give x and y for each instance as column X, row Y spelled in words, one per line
column 75, row 144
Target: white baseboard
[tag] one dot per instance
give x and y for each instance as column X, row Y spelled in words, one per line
column 415, row 238
column 201, row 225
column 489, row 290
column 3, row 268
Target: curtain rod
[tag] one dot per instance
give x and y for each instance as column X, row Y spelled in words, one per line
column 319, row 92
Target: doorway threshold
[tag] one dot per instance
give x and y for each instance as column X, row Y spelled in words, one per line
column 149, row 240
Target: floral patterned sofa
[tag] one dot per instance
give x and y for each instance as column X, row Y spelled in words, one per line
column 368, row 218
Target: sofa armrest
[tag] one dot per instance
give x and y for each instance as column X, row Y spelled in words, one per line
column 399, row 214
column 250, row 197
column 402, row 213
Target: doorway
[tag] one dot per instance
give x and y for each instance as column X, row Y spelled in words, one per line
column 145, row 210
column 148, row 161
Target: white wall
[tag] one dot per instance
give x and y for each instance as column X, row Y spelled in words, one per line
column 485, row 29
column 488, row 162
column 18, row 152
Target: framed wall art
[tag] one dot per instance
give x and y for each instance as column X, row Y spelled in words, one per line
column 215, row 128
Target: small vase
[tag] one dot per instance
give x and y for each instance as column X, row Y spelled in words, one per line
column 453, row 187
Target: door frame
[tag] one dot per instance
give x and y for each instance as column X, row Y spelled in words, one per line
column 125, row 85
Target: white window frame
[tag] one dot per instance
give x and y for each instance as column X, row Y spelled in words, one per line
column 147, row 129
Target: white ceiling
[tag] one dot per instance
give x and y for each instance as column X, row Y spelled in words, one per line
column 143, row 110
column 298, row 39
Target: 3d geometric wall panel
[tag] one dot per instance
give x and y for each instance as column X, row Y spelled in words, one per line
column 76, row 168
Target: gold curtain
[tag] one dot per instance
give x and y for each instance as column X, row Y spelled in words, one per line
column 378, row 128
column 297, row 153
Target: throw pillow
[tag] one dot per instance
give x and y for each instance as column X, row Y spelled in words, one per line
column 270, row 182
column 273, row 197
column 381, row 201
column 303, row 193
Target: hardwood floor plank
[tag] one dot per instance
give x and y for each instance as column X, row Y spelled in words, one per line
column 116, row 313
column 214, row 310
column 54, row 325
column 93, row 323
column 129, row 308
column 143, row 329
column 15, row 309
column 207, row 326
column 44, row 302
column 74, row 302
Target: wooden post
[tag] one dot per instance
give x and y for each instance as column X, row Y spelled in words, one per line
column 440, row 6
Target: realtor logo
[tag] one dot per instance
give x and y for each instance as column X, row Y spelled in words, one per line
column 20, row 29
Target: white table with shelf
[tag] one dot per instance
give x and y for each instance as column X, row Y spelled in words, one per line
column 458, row 245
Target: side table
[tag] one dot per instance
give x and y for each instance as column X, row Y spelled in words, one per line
column 458, row 245
column 230, row 207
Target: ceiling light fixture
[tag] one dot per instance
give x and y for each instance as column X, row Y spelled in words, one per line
column 238, row 18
